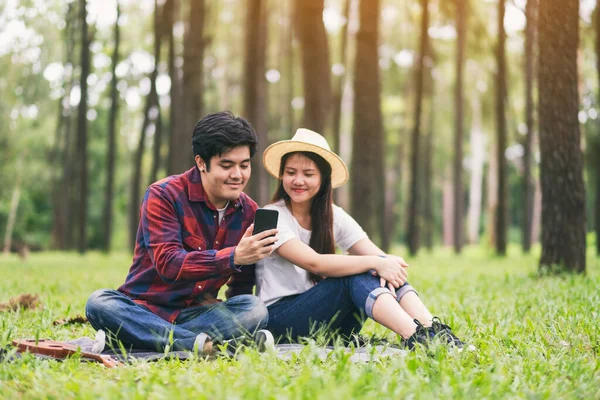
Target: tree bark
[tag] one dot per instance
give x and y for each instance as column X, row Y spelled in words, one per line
column 563, row 188
column 61, row 155
column 528, row 185
column 82, row 130
column 414, row 212
column 368, row 176
column 112, row 148
column 458, row 202
column 477, row 166
column 501, row 211
column 159, row 33
column 255, row 92
column 448, row 211
column 179, row 134
column 314, row 49
column 14, row 205
column 339, row 82
column 151, row 101
column 597, row 148
column 193, row 78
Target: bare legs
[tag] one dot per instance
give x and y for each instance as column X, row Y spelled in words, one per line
column 399, row 316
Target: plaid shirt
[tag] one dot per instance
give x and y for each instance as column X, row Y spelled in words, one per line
column 182, row 256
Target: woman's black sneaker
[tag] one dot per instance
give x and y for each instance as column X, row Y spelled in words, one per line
column 422, row 336
column 444, row 333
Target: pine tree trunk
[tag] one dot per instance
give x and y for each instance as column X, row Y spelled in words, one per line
column 82, row 130
column 528, row 185
column 311, row 34
column 563, row 188
column 339, row 83
column 255, row 92
column 60, row 193
column 448, row 211
column 14, row 205
column 477, row 166
column 179, row 134
column 136, row 181
column 112, row 147
column 159, row 33
column 458, row 202
column 414, row 211
column 368, row 176
column 193, row 79
column 501, row 211
column 597, row 153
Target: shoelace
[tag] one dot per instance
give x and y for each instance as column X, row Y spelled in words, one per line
column 442, row 329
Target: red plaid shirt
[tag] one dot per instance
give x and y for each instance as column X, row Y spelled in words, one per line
column 182, row 255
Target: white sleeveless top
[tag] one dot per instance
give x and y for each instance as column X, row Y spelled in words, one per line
column 276, row 277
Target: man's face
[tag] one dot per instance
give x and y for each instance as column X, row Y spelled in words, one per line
column 227, row 176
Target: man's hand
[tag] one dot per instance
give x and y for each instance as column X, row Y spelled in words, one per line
column 253, row 248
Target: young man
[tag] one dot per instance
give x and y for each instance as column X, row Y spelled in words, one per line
column 194, row 236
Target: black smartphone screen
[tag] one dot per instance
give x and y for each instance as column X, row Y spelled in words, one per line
column 264, row 220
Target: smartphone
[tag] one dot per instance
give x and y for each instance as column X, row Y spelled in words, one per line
column 264, row 220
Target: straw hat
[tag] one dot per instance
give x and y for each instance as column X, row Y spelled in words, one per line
column 306, row 140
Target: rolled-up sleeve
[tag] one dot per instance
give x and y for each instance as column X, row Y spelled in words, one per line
column 162, row 236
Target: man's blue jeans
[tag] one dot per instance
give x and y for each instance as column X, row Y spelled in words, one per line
column 338, row 305
column 139, row 328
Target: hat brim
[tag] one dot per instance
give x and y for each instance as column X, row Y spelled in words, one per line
column 272, row 159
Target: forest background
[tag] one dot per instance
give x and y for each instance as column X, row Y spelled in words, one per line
column 440, row 131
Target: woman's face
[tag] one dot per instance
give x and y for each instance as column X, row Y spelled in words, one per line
column 301, row 178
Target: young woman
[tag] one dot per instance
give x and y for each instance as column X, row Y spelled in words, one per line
column 304, row 284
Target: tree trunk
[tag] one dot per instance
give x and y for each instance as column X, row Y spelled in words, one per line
column 14, row 205
column 492, row 193
column 414, row 212
column 448, row 211
column 428, row 219
column 159, row 33
column 393, row 178
column 151, row 101
column 179, row 134
column 339, row 83
column 528, row 185
column 60, row 193
column 561, row 168
column 501, row 211
column 193, row 78
column 315, row 62
column 112, row 148
column 82, row 130
column 368, row 177
column 597, row 153
column 458, row 203
column 255, row 92
column 477, row 165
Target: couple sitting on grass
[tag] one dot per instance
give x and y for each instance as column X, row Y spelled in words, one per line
column 195, row 235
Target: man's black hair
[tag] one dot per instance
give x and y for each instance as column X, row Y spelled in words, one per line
column 220, row 132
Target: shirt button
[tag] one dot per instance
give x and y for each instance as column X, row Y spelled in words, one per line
column 217, row 242
column 199, row 286
column 199, row 248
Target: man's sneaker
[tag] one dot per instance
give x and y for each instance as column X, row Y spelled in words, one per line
column 444, row 333
column 262, row 339
column 422, row 336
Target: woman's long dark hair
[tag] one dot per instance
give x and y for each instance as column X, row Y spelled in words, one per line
column 321, row 209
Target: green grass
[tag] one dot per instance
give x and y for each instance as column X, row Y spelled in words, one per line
column 536, row 338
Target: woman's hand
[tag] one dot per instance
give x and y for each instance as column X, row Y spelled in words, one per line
column 392, row 271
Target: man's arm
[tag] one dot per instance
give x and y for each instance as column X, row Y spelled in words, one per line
column 162, row 237
column 242, row 282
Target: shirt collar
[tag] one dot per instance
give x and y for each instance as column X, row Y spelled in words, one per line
column 196, row 191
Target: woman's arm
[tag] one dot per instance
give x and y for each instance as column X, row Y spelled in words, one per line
column 335, row 265
column 365, row 247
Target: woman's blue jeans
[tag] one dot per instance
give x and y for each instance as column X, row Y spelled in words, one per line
column 337, row 305
column 139, row 328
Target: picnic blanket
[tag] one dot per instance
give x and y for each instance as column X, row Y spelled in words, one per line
column 283, row 351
